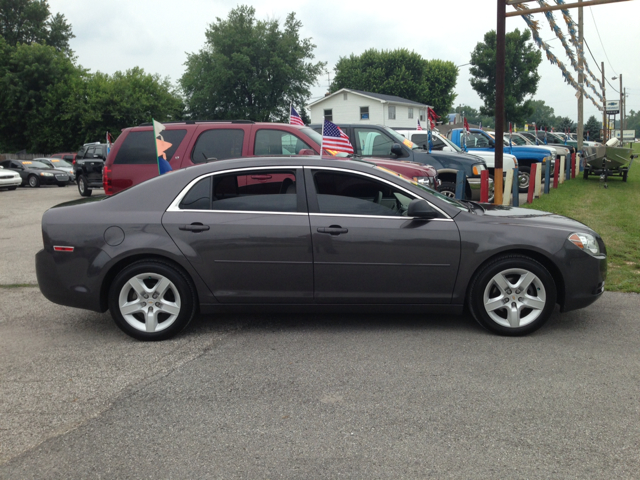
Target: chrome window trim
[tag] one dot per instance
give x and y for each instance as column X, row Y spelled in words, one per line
column 254, row 212
column 395, row 185
column 389, row 217
column 175, row 205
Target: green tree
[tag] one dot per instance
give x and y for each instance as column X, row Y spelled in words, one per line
column 543, row 114
column 402, row 73
column 593, row 127
column 249, row 69
column 126, row 99
column 521, row 76
column 39, row 88
column 563, row 124
column 30, row 21
column 474, row 116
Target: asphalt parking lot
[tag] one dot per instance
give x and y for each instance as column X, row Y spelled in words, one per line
column 306, row 396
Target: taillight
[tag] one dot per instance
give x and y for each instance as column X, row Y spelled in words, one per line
column 107, row 181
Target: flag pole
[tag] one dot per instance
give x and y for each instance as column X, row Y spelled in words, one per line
column 322, row 139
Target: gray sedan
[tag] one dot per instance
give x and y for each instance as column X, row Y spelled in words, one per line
column 310, row 233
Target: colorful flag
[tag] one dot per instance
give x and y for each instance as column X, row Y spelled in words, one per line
column 109, row 141
column 587, row 135
column 335, row 139
column 419, row 127
column 294, row 117
column 466, row 124
column 536, row 131
column 432, row 117
column 480, row 125
column 161, row 148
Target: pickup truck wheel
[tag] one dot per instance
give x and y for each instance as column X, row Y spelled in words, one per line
column 82, row 187
column 524, row 177
column 33, row 181
column 448, row 189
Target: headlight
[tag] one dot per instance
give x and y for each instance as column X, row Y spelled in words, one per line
column 46, row 174
column 586, row 242
column 478, row 168
column 425, row 181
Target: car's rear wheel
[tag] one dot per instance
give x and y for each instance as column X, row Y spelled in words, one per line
column 33, row 181
column 151, row 300
column 524, row 178
column 512, row 295
column 82, row 187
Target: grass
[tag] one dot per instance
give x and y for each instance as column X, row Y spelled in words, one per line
column 613, row 212
column 19, row 285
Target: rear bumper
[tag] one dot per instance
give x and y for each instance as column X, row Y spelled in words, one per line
column 63, row 279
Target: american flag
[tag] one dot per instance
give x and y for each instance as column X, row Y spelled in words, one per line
column 466, row 124
column 294, row 117
column 335, row 139
column 418, row 127
column 432, row 116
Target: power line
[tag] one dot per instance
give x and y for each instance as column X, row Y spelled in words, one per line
column 598, row 65
column 598, row 32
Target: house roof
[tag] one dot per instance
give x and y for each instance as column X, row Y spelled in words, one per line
column 377, row 96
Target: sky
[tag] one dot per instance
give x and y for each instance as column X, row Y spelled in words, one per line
column 157, row 35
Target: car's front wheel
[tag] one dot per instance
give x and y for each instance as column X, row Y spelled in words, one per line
column 512, row 295
column 34, row 181
column 151, row 300
column 82, row 187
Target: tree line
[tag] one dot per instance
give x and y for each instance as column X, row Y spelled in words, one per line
column 248, row 69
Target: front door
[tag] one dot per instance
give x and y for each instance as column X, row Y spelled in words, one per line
column 247, row 234
column 366, row 250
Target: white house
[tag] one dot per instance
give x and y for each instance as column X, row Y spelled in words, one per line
column 367, row 108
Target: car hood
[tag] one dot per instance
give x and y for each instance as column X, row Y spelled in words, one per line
column 532, row 150
column 531, row 217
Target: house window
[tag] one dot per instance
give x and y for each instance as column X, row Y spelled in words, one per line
column 410, row 110
column 392, row 112
column 421, row 115
column 364, row 113
column 344, row 95
column 328, row 115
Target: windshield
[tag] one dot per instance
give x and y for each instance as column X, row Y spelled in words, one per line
column 57, row 163
column 401, row 140
column 449, row 143
column 517, row 140
column 34, row 164
column 430, row 191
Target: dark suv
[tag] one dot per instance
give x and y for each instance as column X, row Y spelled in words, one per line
column 88, row 167
column 133, row 156
column 380, row 141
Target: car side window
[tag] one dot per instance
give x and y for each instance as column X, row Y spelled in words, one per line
column 278, row 142
column 373, row 143
column 352, row 194
column 477, row 140
column 248, row 191
column 218, row 144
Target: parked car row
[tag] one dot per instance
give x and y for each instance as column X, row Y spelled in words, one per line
column 35, row 172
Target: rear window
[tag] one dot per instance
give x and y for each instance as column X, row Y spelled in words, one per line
column 139, row 148
column 218, row 144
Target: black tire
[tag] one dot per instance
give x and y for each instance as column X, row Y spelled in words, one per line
column 82, row 187
column 524, row 178
column 624, row 175
column 171, row 310
column 487, row 298
column 585, row 174
column 448, row 189
column 33, row 181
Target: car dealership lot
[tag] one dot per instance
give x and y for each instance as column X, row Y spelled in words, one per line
column 303, row 396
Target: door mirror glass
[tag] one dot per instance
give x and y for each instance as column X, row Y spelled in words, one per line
column 396, row 150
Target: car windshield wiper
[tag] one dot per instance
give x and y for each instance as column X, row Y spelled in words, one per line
column 475, row 204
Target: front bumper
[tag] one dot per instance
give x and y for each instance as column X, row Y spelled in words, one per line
column 10, row 182
column 586, row 282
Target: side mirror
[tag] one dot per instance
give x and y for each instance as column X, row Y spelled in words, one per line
column 396, row 150
column 419, row 208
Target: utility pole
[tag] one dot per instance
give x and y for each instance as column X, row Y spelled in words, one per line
column 499, row 112
column 580, row 80
column 621, row 131
column 605, row 124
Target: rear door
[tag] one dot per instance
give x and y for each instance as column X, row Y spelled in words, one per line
column 247, row 234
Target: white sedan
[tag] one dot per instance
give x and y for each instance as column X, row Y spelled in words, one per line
column 9, row 179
